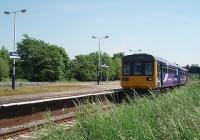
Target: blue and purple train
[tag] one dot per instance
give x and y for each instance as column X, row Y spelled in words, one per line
column 144, row 71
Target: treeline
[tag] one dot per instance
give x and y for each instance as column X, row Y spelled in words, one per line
column 41, row 61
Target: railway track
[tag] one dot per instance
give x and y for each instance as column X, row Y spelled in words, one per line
column 16, row 130
column 68, row 120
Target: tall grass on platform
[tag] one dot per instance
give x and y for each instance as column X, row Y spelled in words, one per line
column 175, row 115
column 7, row 91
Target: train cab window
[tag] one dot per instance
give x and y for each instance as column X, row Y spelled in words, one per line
column 127, row 69
column 148, row 69
column 137, row 68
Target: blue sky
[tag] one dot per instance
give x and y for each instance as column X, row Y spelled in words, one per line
column 166, row 28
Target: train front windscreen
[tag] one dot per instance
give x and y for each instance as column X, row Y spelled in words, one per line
column 138, row 69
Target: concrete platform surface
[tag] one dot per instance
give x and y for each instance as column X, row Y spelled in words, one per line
column 91, row 87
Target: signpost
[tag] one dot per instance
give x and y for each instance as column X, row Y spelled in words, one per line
column 106, row 66
column 14, row 55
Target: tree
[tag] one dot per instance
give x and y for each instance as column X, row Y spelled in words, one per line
column 4, row 63
column 4, row 54
column 117, row 60
column 119, row 55
column 85, row 67
column 4, row 69
column 41, row 61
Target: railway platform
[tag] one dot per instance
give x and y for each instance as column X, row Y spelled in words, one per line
column 91, row 88
column 20, row 105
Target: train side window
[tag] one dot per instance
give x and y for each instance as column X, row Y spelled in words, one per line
column 170, row 71
column 148, row 69
column 137, row 69
column 165, row 70
column 175, row 71
column 127, row 69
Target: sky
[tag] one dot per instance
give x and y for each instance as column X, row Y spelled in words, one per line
column 169, row 29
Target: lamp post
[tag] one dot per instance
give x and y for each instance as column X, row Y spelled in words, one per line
column 14, row 13
column 99, row 78
column 134, row 51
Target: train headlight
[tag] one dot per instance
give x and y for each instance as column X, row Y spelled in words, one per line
column 125, row 79
column 149, row 78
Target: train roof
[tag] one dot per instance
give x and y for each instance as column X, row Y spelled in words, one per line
column 157, row 59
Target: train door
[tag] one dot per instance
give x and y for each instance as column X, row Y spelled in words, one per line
column 159, row 75
column 164, row 75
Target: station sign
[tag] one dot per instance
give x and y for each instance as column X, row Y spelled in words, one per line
column 105, row 66
column 14, row 55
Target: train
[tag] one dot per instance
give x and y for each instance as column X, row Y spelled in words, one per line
column 145, row 71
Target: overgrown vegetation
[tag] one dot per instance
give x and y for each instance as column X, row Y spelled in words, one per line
column 194, row 77
column 51, row 131
column 175, row 115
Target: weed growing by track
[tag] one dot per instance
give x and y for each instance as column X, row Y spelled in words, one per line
column 50, row 131
column 175, row 115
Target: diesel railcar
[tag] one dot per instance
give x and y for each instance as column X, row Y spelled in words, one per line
column 144, row 71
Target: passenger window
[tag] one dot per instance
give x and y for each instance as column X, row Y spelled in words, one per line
column 148, row 69
column 127, row 69
column 137, row 69
column 165, row 70
column 170, row 71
